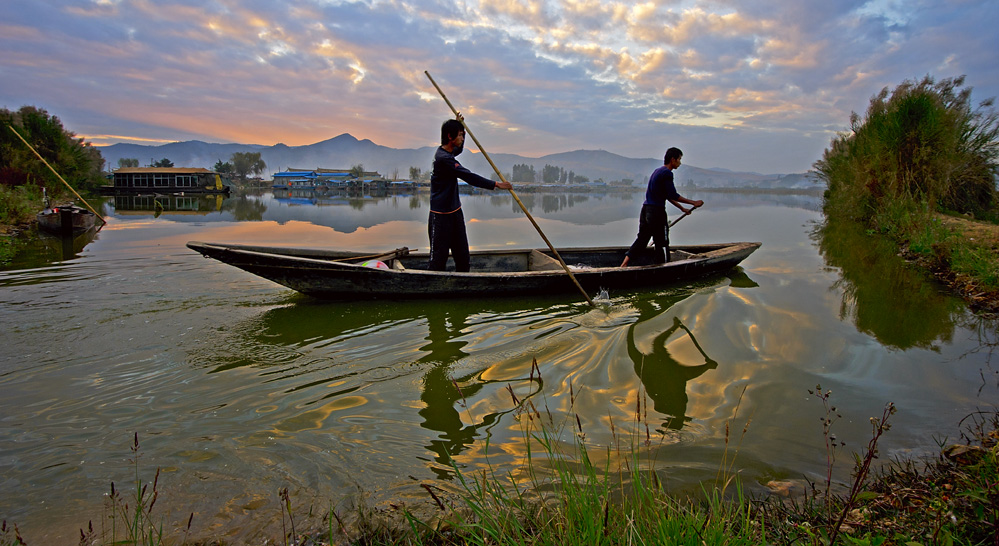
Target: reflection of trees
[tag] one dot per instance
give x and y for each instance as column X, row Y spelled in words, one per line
column 882, row 295
column 499, row 198
column 550, row 202
column 986, row 328
column 246, row 210
column 553, row 202
column 665, row 379
column 527, row 199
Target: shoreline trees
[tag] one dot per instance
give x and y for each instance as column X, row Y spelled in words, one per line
column 76, row 160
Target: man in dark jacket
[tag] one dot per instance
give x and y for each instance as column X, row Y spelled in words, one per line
column 652, row 223
column 447, row 223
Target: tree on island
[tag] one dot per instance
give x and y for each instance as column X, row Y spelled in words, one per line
column 524, row 173
column 222, row 168
column 552, row 174
column 244, row 163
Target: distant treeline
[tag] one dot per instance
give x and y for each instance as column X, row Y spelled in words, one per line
column 550, row 174
column 553, row 174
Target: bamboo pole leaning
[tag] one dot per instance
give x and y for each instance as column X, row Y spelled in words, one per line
column 32, row 148
column 513, row 193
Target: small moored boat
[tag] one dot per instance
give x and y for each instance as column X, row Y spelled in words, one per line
column 399, row 274
column 66, row 220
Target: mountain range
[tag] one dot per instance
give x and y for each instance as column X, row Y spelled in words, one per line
column 346, row 151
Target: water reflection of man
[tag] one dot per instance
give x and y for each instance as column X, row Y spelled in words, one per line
column 440, row 395
column 665, row 379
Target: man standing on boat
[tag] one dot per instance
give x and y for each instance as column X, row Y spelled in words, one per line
column 652, row 222
column 447, row 223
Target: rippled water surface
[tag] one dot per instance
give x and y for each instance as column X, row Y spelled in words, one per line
column 237, row 386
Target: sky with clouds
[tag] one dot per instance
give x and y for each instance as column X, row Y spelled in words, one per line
column 749, row 85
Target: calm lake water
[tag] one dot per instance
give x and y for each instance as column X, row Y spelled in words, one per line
column 238, row 387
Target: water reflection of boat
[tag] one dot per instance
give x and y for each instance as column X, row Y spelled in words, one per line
column 66, row 220
column 327, row 354
column 48, row 250
column 508, row 273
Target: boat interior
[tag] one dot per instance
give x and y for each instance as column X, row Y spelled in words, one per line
column 483, row 261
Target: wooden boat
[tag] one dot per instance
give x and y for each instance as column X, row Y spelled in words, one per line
column 66, row 220
column 335, row 274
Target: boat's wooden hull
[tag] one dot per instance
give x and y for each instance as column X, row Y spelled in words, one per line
column 68, row 220
column 494, row 273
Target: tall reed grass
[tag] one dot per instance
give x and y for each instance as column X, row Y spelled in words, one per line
column 129, row 519
column 919, row 148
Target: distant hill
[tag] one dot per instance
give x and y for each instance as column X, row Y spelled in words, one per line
column 345, row 151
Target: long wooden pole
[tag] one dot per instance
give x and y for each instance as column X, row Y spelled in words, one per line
column 30, row 147
column 513, row 193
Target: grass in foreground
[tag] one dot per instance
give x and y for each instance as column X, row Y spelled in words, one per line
column 953, row 499
column 565, row 497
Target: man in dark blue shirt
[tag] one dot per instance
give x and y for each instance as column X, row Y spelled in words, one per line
column 447, row 223
column 652, row 222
